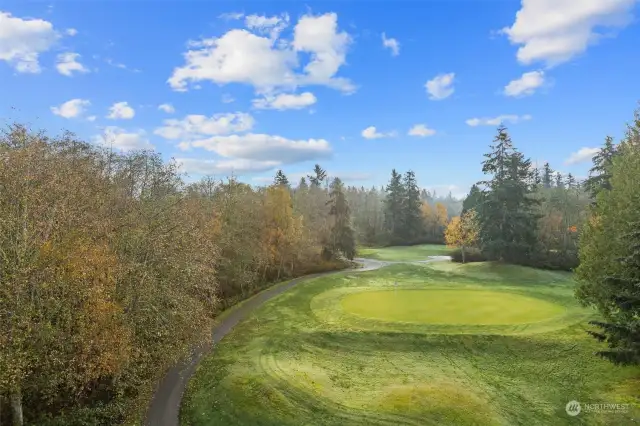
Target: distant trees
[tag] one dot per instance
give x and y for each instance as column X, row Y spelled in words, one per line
column 609, row 271
column 342, row 237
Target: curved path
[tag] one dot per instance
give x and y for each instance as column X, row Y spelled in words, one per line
column 164, row 409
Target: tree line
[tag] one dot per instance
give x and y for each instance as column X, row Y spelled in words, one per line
column 539, row 218
column 112, row 267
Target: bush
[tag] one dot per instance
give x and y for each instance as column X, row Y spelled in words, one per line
column 471, row 255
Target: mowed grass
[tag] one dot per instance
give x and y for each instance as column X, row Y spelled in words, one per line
column 404, row 253
column 450, row 306
column 302, row 359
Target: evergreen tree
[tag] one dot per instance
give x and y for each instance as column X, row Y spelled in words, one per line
column 571, row 181
column 318, row 177
column 559, row 180
column 342, row 237
column 547, row 176
column 280, row 179
column 506, row 218
column 609, row 271
column 394, row 201
column 600, row 174
column 302, row 185
column 412, row 225
column 473, row 200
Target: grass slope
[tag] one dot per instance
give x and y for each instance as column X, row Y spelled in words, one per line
column 302, row 360
column 405, row 253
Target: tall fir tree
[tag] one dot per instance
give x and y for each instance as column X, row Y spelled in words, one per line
column 318, row 177
column 412, row 226
column 600, row 174
column 547, row 176
column 342, row 236
column 394, row 202
column 472, row 200
column 281, row 179
column 506, row 216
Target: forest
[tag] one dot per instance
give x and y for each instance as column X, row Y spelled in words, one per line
column 114, row 265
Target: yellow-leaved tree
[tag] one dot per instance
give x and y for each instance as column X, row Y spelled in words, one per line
column 462, row 232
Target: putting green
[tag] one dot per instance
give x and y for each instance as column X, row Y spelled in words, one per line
column 457, row 307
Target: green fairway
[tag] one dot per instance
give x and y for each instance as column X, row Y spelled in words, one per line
column 450, row 306
column 478, row 344
column 405, row 253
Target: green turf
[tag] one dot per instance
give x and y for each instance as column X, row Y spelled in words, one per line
column 302, row 359
column 404, row 254
column 450, row 306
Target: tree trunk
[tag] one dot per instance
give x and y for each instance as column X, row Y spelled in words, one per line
column 464, row 257
column 16, row 408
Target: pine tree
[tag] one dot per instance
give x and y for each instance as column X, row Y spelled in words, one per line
column 507, row 223
column 571, row 181
column 394, row 200
column 600, row 174
column 281, row 179
column 559, row 180
column 302, row 185
column 318, row 177
column 473, row 199
column 412, row 225
column 547, row 176
column 342, row 236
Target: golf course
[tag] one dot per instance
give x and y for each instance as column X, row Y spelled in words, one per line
column 410, row 343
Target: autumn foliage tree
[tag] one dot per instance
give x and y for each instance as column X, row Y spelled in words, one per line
column 462, row 232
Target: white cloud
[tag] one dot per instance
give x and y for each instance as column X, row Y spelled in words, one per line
column 421, row 130
column 168, row 108
column 91, row 118
column 272, row 26
column 227, row 98
column 266, row 63
column 554, row 31
column 525, row 85
column 261, row 147
column 71, row 32
column 225, row 167
column 496, row 121
column 372, row 133
column 198, row 126
column 231, row 16
column 121, row 110
column 23, row 40
column 67, row 64
column 583, row 155
column 285, row 101
column 71, row 109
column 117, row 138
column 392, row 44
column 440, row 87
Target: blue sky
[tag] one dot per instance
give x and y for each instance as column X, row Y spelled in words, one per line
column 251, row 87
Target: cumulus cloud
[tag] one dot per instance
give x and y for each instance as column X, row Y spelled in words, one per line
column 555, row 31
column 269, row 63
column 122, row 111
column 168, row 108
column 285, row 101
column 198, row 126
column 496, row 121
column 421, row 130
column 583, row 155
column 262, row 147
column 23, row 40
column 272, row 25
column 67, row 64
column 225, row 167
column 71, row 109
column 120, row 139
column 440, row 87
column 372, row 133
column 526, row 85
column 392, row 44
